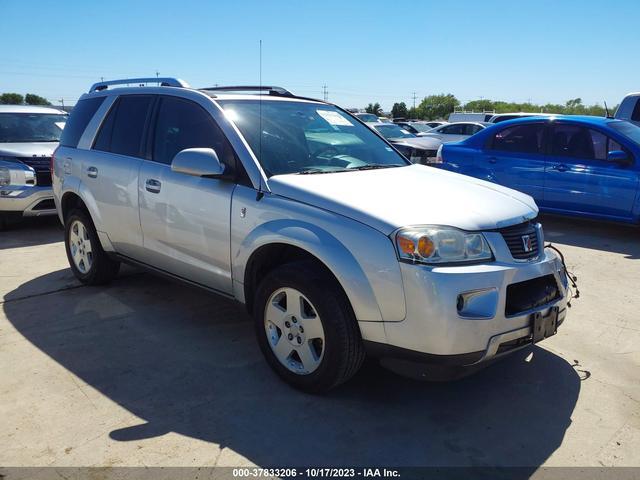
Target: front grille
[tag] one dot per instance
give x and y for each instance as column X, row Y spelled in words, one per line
column 42, row 167
column 522, row 240
column 530, row 294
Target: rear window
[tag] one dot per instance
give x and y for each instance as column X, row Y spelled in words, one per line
column 78, row 120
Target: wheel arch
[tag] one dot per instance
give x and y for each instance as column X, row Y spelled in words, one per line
column 275, row 243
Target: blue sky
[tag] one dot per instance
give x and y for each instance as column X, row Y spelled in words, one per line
column 364, row 51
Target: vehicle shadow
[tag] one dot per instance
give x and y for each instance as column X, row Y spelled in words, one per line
column 187, row 362
column 32, row 231
column 597, row 235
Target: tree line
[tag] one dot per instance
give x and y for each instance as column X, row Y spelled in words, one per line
column 440, row 106
column 18, row 99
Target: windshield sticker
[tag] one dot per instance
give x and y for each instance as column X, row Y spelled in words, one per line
column 334, row 118
column 60, row 125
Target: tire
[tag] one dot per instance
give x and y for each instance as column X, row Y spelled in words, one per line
column 81, row 242
column 336, row 356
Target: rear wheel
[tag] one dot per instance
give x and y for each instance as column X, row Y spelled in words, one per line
column 306, row 328
column 88, row 261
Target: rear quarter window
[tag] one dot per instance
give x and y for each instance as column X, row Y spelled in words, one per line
column 78, row 120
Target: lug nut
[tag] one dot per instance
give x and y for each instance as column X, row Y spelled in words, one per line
column 287, row 324
column 299, row 339
column 294, row 319
column 290, row 337
column 301, row 329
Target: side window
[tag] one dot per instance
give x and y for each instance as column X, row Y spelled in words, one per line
column 123, row 129
column 453, row 130
column 520, row 138
column 78, row 121
column 471, row 129
column 579, row 142
column 635, row 116
column 184, row 124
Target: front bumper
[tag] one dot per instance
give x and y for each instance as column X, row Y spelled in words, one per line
column 440, row 329
column 26, row 201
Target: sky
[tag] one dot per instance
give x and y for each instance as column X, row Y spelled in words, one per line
column 363, row 51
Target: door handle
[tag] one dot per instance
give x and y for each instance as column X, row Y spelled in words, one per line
column 492, row 159
column 561, row 168
column 152, row 186
column 92, row 172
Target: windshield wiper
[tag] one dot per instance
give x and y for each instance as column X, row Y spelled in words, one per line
column 375, row 166
column 313, row 170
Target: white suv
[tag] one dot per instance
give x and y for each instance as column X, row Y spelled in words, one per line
column 336, row 244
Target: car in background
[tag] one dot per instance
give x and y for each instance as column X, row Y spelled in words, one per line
column 384, row 120
column 629, row 109
column 418, row 127
column 503, row 117
column 454, row 132
column 574, row 165
column 28, row 137
column 366, row 117
column 420, row 150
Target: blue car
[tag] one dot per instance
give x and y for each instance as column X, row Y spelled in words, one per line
column 575, row 165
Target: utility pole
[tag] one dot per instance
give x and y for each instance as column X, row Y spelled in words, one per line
column 62, row 103
column 325, row 93
column 157, row 73
column 414, row 96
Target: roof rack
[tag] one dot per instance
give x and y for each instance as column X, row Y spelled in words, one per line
column 163, row 81
column 271, row 90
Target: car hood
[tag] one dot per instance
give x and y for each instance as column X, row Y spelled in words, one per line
column 390, row 198
column 35, row 149
column 423, row 143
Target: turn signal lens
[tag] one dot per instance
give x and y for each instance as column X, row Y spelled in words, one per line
column 406, row 246
column 426, row 247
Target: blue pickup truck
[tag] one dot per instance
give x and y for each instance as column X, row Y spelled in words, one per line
column 575, row 165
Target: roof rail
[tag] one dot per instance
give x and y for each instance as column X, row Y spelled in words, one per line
column 271, row 90
column 163, row 81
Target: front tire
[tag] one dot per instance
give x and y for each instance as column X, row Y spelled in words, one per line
column 89, row 262
column 306, row 328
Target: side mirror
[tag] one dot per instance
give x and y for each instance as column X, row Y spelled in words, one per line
column 618, row 156
column 198, row 162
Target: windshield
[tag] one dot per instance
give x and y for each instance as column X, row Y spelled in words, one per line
column 31, row 127
column 300, row 137
column 393, row 131
column 627, row 129
column 421, row 127
column 367, row 117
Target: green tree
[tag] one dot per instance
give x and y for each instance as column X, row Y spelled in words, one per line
column 11, row 99
column 374, row 108
column 437, row 106
column 480, row 106
column 32, row 99
column 399, row 110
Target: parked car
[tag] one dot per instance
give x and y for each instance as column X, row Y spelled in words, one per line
column 629, row 109
column 28, row 136
column 384, row 120
column 367, row 117
column 454, row 132
column 418, row 128
column 337, row 245
column 503, row 117
column 417, row 149
column 585, row 166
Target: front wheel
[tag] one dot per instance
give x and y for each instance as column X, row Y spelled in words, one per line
column 89, row 262
column 306, row 328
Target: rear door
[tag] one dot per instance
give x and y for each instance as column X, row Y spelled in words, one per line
column 580, row 179
column 452, row 133
column 515, row 157
column 110, row 171
column 185, row 219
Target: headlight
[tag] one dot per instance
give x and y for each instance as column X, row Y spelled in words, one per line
column 436, row 245
column 5, row 176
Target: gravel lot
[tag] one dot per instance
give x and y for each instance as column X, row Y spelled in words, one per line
column 150, row 372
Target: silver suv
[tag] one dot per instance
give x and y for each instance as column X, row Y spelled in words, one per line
column 336, row 244
column 28, row 137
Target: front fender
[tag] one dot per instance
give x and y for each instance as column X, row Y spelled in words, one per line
column 324, row 246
